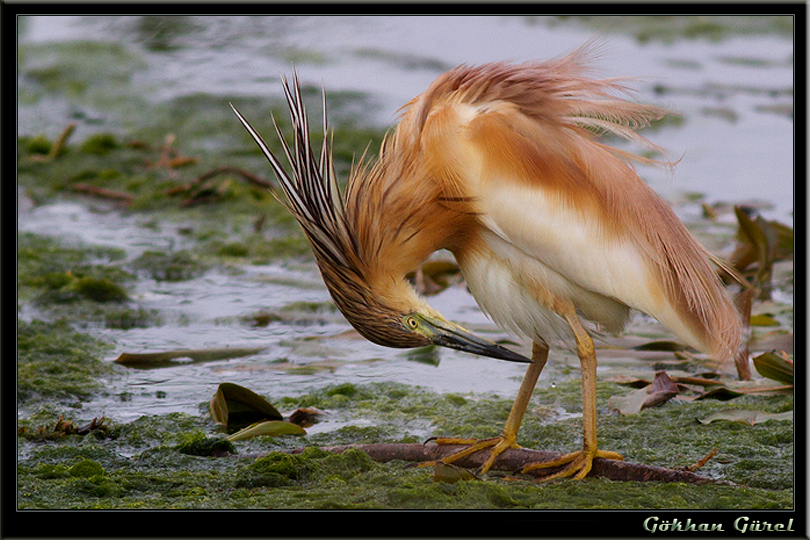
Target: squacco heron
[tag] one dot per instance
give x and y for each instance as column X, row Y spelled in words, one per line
column 555, row 233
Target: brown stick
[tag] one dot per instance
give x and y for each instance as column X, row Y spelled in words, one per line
column 253, row 179
column 103, row 192
column 703, row 461
column 515, row 459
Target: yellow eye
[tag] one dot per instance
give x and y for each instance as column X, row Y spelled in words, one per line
column 411, row 322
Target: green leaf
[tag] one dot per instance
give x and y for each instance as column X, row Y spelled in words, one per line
column 271, row 428
column 762, row 242
column 774, row 366
column 763, row 320
column 235, row 406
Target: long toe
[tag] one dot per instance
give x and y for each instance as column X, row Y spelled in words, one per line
column 497, row 444
column 577, row 464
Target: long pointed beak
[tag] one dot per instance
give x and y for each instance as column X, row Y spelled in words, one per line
column 447, row 334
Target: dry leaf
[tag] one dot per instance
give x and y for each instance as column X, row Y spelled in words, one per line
column 305, row 417
column 746, row 417
column 762, row 242
column 660, row 391
column 450, row 474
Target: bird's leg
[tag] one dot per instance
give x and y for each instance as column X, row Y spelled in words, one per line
column 579, row 463
column 507, row 439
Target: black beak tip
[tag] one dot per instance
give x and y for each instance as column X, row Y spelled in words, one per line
column 512, row 356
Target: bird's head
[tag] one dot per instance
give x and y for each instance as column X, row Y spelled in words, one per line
column 379, row 303
column 393, row 315
column 428, row 329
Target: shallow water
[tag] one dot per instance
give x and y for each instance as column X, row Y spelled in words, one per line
column 736, row 141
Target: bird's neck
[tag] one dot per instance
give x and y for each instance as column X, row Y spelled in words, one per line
column 400, row 222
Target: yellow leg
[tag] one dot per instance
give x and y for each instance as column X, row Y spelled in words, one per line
column 507, row 439
column 579, row 463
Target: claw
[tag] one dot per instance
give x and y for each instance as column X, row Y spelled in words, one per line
column 498, row 444
column 579, row 464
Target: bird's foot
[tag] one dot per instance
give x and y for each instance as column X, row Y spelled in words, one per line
column 578, row 464
column 497, row 444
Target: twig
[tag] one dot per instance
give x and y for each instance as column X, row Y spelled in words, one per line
column 102, row 192
column 702, row 461
column 58, row 146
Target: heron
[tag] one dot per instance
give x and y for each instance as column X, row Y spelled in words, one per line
column 557, row 237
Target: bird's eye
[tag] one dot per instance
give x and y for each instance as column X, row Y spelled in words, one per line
column 411, row 322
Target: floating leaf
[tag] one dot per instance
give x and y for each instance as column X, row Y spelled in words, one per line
column 163, row 359
column 763, row 320
column 746, row 417
column 450, row 474
column 235, row 406
column 777, row 367
column 271, row 428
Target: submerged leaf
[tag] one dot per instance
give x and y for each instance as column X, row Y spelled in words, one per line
column 163, row 359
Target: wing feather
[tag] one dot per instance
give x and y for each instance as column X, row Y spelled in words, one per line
column 510, row 139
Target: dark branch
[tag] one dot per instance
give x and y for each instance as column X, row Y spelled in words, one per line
column 514, row 459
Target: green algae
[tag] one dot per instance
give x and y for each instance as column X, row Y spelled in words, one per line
column 54, row 362
column 79, row 283
column 179, row 265
column 176, row 470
